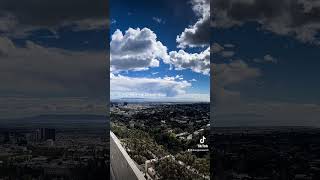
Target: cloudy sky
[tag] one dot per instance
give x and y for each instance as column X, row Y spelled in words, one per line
column 53, row 57
column 160, row 50
column 265, row 55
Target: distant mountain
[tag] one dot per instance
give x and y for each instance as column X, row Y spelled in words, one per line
column 67, row 116
column 152, row 100
column 130, row 100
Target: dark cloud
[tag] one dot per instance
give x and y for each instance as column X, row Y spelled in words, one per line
column 227, row 54
column 216, row 48
column 24, row 15
column 234, row 72
column 225, row 51
column 17, row 107
column 231, row 108
column 266, row 59
column 197, row 35
column 298, row 18
column 36, row 71
column 240, row 113
column 37, row 78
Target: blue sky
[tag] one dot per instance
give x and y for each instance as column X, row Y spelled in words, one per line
column 166, row 20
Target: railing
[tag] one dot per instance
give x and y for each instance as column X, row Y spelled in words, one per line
column 121, row 165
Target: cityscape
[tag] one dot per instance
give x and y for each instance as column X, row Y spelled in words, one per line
column 55, row 152
column 160, row 89
column 266, row 153
column 161, row 137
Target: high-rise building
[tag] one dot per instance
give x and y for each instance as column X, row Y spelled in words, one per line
column 44, row 134
column 6, row 137
column 50, row 134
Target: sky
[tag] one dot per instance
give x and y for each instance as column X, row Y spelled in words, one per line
column 53, row 56
column 157, row 51
column 265, row 55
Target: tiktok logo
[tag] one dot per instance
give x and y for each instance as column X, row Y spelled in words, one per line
column 202, row 140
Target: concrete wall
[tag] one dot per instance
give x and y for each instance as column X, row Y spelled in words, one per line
column 122, row 166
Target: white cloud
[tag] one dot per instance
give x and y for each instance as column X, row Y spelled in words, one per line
column 147, row 87
column 158, row 20
column 180, row 77
column 197, row 62
column 113, row 21
column 135, row 50
column 138, row 50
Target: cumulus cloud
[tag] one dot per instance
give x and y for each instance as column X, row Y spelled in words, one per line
column 146, row 87
column 197, row 62
column 136, row 49
column 298, row 18
column 35, row 70
column 197, row 35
